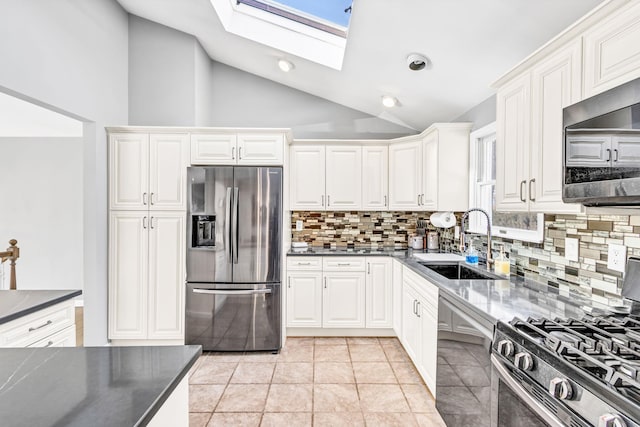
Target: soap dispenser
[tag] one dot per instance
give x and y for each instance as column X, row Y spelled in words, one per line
column 502, row 265
column 471, row 256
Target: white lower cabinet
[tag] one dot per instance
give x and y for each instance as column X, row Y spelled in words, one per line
column 53, row 326
column 146, row 275
column 420, row 325
column 339, row 292
column 304, row 299
column 397, row 297
column 343, row 301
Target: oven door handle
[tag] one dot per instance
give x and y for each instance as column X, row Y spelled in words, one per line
column 520, row 391
column 231, row 291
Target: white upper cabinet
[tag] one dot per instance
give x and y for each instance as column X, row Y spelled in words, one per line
column 513, row 118
column 612, row 50
column 307, row 178
column 343, row 177
column 168, row 171
column 529, row 140
column 405, row 175
column 147, row 171
column 129, row 171
column 375, row 177
column 213, row 149
column 431, row 173
column 230, row 148
column 260, row 149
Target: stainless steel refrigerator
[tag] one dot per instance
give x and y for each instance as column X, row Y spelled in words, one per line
column 234, row 250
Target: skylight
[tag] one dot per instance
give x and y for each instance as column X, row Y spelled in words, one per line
column 315, row 30
column 331, row 16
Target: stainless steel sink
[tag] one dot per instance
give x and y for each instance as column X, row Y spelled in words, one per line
column 459, row 271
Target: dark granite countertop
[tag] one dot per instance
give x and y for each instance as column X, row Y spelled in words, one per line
column 15, row 304
column 318, row 251
column 90, row 386
column 488, row 301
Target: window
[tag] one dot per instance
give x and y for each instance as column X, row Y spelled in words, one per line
column 482, row 194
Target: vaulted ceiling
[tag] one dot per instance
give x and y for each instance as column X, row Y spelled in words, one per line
column 469, row 42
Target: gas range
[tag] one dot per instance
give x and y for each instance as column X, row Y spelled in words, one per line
column 579, row 372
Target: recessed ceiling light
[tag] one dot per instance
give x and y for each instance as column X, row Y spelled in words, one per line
column 285, row 65
column 417, row 61
column 389, row 101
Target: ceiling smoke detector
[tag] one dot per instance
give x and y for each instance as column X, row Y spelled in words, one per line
column 417, row 61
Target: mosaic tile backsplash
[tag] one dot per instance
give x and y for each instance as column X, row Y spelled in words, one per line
column 543, row 262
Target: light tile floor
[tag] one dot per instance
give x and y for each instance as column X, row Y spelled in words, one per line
column 313, row 381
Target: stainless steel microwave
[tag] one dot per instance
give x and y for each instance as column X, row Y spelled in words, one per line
column 601, row 155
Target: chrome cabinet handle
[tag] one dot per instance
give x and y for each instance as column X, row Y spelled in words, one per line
column 328, row 200
column 522, row 184
column 322, row 203
column 414, row 306
column 151, row 199
column 304, row 263
column 233, row 153
column 49, row 344
column 422, row 199
column 418, row 309
column 609, row 154
column 151, row 223
column 531, row 196
column 325, row 283
column 144, row 198
column 144, row 222
column 41, row 326
column 418, row 200
column 385, row 200
column 368, row 268
column 616, row 153
column 240, row 153
column 289, row 281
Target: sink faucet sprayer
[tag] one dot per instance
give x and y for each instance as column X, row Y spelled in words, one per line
column 463, row 247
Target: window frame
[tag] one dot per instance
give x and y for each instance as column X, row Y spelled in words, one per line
column 476, row 221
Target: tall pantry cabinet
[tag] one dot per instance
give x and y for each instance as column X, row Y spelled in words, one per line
column 147, row 208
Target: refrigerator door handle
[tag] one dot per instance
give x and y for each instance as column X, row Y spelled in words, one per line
column 235, row 226
column 232, row 291
column 227, row 224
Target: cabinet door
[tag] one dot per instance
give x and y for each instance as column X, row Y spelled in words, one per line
column 343, row 302
column 166, row 275
column 375, row 178
column 128, row 271
column 304, row 299
column 397, row 297
column 343, row 177
column 128, row 171
column 405, row 178
column 217, row 149
column 612, row 50
column 168, row 171
column 429, row 341
column 556, row 83
column 379, row 286
column 626, row 151
column 307, row 177
column 590, row 151
column 410, row 323
column 512, row 145
column 430, row 165
column 260, row 149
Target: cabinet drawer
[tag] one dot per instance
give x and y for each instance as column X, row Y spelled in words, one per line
column 343, row 263
column 304, row 263
column 34, row 327
column 64, row 338
column 428, row 290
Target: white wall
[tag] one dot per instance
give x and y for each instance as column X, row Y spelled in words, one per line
column 72, row 55
column 481, row 114
column 42, row 209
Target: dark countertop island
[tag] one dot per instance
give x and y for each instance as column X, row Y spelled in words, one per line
column 15, row 304
column 91, row 386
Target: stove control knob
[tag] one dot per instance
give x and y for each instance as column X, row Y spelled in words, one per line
column 505, row 348
column 611, row 420
column 560, row 389
column 524, row 361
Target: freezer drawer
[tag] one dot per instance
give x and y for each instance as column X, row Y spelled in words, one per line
column 233, row 317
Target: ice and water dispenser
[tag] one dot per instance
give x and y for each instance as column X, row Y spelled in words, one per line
column 203, row 233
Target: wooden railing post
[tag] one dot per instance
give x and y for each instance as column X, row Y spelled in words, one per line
column 15, row 253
